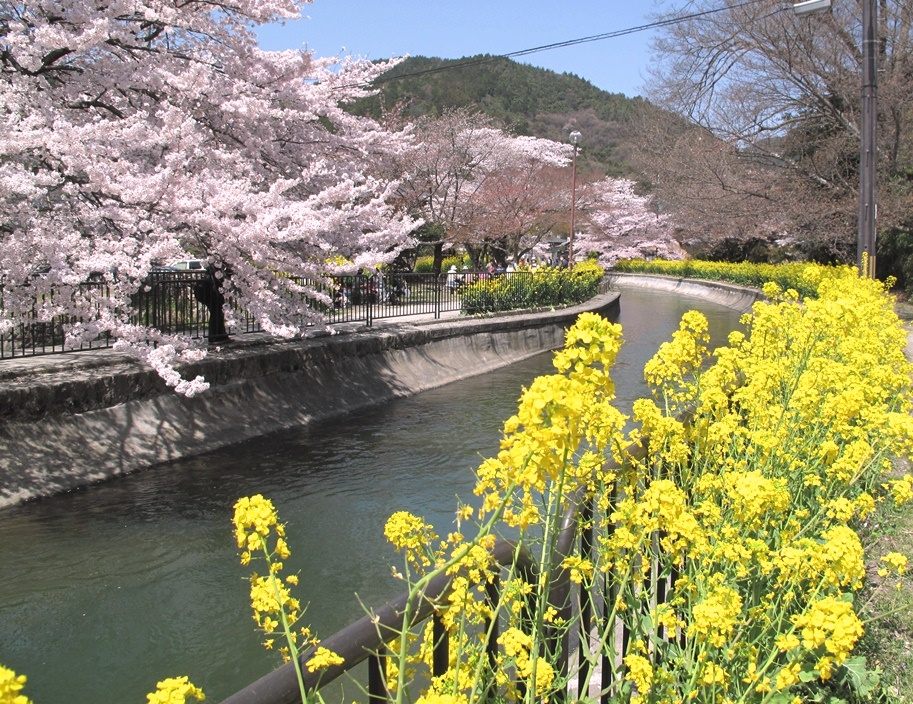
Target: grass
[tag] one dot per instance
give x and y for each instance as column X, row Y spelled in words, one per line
column 888, row 641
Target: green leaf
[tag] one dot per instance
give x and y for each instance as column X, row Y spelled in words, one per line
column 781, row 698
column 862, row 680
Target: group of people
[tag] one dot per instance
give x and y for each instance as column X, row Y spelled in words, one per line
column 377, row 288
column 458, row 278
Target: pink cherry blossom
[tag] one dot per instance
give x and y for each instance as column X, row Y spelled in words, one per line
column 137, row 132
column 620, row 224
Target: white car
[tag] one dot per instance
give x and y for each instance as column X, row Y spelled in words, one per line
column 187, row 265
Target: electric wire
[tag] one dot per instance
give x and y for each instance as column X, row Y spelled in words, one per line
column 559, row 45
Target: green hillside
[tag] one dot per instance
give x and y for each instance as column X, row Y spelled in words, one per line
column 528, row 100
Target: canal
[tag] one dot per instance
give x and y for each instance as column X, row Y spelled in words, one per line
column 107, row 589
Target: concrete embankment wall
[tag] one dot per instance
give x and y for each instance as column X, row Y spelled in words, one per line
column 77, row 419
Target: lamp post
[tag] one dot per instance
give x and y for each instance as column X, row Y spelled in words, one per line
column 575, row 140
column 867, row 204
column 868, row 207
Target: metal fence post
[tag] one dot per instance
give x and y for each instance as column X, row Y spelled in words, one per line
column 438, row 293
column 440, row 658
column 378, row 692
column 369, row 296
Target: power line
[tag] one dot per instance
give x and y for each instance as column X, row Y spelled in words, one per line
column 558, row 45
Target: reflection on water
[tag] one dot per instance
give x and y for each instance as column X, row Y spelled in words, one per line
column 105, row 590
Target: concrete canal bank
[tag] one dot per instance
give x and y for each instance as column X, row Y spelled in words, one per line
column 732, row 296
column 70, row 420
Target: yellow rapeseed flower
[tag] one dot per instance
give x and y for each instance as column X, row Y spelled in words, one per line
column 322, row 659
column 640, row 672
column 901, row 489
column 580, row 568
column 715, row 618
column 173, row 690
column 254, row 518
column 830, row 623
column 411, row 535
column 893, row 562
column 11, row 686
column 712, row 674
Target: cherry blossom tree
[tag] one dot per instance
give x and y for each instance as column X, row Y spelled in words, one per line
column 457, row 174
column 516, row 208
column 620, row 224
column 136, row 132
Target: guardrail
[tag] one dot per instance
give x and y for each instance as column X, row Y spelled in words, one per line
column 366, row 639
column 173, row 302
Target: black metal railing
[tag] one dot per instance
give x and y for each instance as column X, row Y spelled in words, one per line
column 172, row 302
column 367, row 638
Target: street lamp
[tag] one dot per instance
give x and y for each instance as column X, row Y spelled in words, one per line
column 575, row 140
column 868, row 208
column 811, row 6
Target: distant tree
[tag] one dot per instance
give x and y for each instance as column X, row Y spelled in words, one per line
column 517, row 208
column 138, row 132
column 618, row 223
column 769, row 142
column 450, row 176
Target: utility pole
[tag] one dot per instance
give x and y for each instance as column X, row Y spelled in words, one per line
column 575, row 139
column 865, row 249
column 868, row 206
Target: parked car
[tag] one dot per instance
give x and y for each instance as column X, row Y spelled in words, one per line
column 188, row 265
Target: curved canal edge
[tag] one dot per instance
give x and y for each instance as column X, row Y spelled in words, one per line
column 739, row 298
column 75, row 419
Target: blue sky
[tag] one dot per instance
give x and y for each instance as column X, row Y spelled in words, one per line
column 376, row 30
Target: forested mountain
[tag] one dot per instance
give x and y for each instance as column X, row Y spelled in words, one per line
column 528, row 100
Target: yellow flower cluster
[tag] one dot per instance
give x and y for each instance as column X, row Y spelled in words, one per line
column 893, row 562
column 640, row 672
column 579, row 568
column 556, row 414
column 269, row 596
column 902, row 489
column 738, row 488
column 411, row 535
column 800, row 277
column 549, row 286
column 260, row 536
column 673, row 367
column 831, row 623
column 714, row 617
column 11, row 686
column 323, row 658
column 519, row 649
column 765, row 458
column 174, row 690
column 255, row 517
